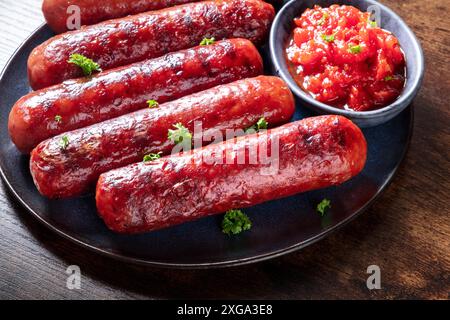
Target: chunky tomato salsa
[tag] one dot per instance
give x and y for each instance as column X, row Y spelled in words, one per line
column 345, row 60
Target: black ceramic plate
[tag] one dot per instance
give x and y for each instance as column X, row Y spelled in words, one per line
column 279, row 226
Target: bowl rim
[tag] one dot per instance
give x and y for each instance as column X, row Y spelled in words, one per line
column 396, row 106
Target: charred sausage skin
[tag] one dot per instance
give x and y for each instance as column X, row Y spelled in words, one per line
column 119, row 42
column 122, row 90
column 60, row 173
column 94, row 11
column 314, row 153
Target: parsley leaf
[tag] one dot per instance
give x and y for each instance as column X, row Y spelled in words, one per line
column 207, row 41
column 259, row 125
column 152, row 103
column 388, row 78
column 322, row 20
column 328, row 38
column 87, row 65
column 58, row 118
column 323, row 206
column 180, row 134
column 64, row 142
column 235, row 221
column 354, row 49
column 152, row 156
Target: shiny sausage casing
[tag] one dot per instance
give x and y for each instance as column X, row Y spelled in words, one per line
column 108, row 145
column 119, row 42
column 314, row 153
column 94, row 11
column 119, row 91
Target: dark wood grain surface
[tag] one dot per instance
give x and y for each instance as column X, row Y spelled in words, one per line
column 406, row 232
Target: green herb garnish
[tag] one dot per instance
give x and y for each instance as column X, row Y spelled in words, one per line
column 152, row 103
column 180, row 134
column 259, row 125
column 354, row 49
column 388, row 78
column 207, row 41
column 328, row 38
column 235, row 221
column 323, row 206
column 64, row 142
column 58, row 118
column 152, row 156
column 373, row 24
column 322, row 20
column 87, row 65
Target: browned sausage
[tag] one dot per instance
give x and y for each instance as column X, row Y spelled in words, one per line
column 90, row 151
column 119, row 42
column 313, row 153
column 83, row 102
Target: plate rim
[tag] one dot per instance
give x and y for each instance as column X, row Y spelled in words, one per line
column 204, row 265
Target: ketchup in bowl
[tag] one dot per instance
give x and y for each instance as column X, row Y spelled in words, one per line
column 344, row 59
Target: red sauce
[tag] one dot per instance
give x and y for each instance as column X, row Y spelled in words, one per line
column 343, row 59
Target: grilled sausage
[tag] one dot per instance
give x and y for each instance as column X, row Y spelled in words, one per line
column 94, row 11
column 313, row 153
column 148, row 35
column 121, row 141
column 119, row 91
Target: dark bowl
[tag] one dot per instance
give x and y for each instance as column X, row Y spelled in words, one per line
column 281, row 31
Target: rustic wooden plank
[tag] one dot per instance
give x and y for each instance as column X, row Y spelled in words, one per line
column 406, row 232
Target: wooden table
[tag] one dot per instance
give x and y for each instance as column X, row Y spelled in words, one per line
column 406, row 232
